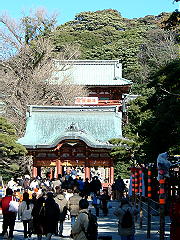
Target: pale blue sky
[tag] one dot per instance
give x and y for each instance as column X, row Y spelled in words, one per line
column 67, row 9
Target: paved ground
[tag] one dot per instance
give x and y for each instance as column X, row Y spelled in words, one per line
column 106, row 226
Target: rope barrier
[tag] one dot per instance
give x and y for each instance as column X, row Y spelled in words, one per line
column 150, row 208
column 146, row 204
column 150, row 199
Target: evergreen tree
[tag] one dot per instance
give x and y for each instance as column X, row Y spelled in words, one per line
column 10, row 151
column 154, row 117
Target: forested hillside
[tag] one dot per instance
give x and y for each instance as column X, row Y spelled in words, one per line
column 148, row 50
column 107, row 35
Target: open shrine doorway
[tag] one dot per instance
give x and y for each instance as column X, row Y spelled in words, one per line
column 104, row 173
column 92, row 162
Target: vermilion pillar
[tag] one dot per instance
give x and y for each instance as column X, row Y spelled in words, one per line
column 34, row 172
column 137, row 181
column 87, row 172
column 149, row 183
column 59, row 167
column 140, row 181
column 112, row 174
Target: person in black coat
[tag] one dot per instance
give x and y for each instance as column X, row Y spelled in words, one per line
column 87, row 188
column 95, row 185
column 52, row 215
column 104, row 200
column 38, row 214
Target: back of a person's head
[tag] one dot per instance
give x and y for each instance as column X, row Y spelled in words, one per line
column 50, row 195
column 98, row 193
column 9, row 191
column 25, row 196
column 83, row 204
column 57, row 188
column 34, row 195
column 70, row 190
column 61, row 191
column 76, row 190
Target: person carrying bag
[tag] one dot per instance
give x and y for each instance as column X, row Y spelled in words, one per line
column 13, row 205
column 126, row 224
column 9, row 217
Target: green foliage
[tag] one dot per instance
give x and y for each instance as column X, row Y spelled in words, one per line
column 37, row 25
column 10, row 150
column 6, row 127
column 173, row 21
column 154, row 117
column 107, row 35
column 167, row 79
column 122, row 169
column 9, row 147
column 123, row 155
column 138, row 115
column 14, row 167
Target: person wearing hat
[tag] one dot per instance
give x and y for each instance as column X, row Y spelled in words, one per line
column 12, row 184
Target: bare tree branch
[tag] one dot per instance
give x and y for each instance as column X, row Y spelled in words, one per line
column 158, row 50
column 27, row 69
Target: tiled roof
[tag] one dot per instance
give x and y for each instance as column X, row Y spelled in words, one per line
column 91, row 72
column 48, row 125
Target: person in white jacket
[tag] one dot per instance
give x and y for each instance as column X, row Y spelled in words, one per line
column 24, row 214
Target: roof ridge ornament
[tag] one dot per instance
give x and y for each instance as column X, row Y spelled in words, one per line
column 72, row 128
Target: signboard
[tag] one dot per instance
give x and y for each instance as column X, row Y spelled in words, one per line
column 86, row 100
column 44, row 163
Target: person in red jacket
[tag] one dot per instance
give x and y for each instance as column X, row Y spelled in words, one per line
column 8, row 217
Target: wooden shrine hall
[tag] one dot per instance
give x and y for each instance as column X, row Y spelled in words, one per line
column 72, row 136
column 58, row 137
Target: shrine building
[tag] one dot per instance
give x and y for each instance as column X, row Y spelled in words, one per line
column 59, row 137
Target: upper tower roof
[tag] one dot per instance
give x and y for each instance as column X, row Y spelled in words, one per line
column 90, row 72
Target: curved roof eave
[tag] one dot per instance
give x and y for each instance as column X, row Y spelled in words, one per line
column 96, row 144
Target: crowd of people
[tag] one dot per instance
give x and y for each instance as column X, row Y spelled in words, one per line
column 44, row 204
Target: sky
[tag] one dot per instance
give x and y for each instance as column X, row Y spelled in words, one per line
column 67, row 9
